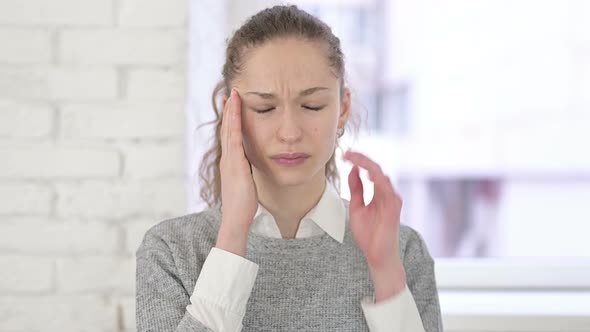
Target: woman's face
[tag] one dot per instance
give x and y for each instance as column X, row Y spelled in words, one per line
column 291, row 103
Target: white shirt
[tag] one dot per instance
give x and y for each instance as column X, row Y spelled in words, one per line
column 226, row 280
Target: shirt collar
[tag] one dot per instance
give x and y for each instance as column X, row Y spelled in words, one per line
column 329, row 213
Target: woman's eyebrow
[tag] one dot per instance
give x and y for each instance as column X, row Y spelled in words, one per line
column 306, row 92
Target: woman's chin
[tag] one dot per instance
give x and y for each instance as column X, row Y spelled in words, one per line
column 286, row 179
column 294, row 177
column 289, row 176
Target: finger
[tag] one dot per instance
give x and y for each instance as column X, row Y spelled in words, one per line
column 222, row 130
column 230, row 120
column 236, row 122
column 363, row 161
column 225, row 124
column 382, row 183
column 356, row 189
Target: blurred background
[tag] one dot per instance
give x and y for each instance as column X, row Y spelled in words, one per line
column 479, row 111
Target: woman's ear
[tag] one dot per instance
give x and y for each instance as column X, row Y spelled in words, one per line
column 344, row 108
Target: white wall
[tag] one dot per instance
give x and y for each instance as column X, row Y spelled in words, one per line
column 92, row 119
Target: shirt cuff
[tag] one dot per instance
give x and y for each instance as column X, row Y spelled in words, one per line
column 226, row 279
column 398, row 313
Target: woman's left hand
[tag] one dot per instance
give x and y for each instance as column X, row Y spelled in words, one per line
column 375, row 226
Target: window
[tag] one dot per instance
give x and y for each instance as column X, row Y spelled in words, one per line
column 484, row 115
column 484, row 123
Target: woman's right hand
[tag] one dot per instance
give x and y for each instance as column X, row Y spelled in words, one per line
column 239, row 200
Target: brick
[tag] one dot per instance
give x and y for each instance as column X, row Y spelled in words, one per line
column 42, row 236
column 96, row 274
column 122, row 47
column 153, row 13
column 25, row 120
column 55, row 83
column 48, row 161
column 25, row 199
column 154, row 84
column 121, row 200
column 90, row 313
column 148, row 120
column 57, row 12
column 23, row 274
column 25, row 46
column 147, row 161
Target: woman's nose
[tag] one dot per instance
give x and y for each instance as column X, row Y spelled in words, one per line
column 289, row 128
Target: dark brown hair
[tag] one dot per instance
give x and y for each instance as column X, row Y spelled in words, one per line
column 266, row 25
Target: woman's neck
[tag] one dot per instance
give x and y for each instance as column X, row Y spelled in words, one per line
column 289, row 204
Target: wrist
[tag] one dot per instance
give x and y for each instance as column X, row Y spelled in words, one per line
column 233, row 239
column 388, row 281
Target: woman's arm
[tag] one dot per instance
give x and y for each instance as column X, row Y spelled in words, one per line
column 217, row 304
column 376, row 230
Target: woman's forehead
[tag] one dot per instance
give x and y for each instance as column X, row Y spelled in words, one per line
column 293, row 62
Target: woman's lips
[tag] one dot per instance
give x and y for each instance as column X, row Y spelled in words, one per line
column 290, row 159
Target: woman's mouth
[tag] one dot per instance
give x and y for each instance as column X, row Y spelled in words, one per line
column 290, row 159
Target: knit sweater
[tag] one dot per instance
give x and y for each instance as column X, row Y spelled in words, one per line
column 302, row 284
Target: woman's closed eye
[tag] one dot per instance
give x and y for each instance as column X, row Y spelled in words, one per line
column 263, row 110
column 308, row 107
column 313, row 108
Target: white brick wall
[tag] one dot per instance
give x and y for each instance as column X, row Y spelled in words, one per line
column 47, row 236
column 20, row 120
column 96, row 274
column 25, row 46
column 85, row 312
column 92, row 121
column 22, row 274
column 150, row 84
column 153, row 13
column 25, row 198
column 56, row 12
column 143, row 160
column 41, row 161
column 121, row 46
column 122, row 121
column 53, row 83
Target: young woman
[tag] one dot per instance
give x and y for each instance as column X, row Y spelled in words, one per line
column 278, row 249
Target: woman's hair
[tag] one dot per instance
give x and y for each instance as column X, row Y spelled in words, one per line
column 266, row 25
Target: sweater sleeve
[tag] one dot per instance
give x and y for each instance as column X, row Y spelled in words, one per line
column 421, row 281
column 161, row 299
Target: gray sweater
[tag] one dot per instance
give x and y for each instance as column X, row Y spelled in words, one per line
column 307, row 284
